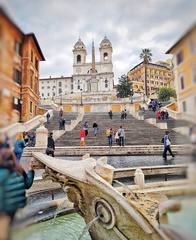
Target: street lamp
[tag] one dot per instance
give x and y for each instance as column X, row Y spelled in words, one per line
column 61, row 100
column 20, row 105
column 143, row 97
column 81, row 102
column 53, row 93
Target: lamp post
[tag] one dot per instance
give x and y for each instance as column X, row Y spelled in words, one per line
column 61, row 100
column 53, row 94
column 20, row 104
column 143, row 97
column 81, row 102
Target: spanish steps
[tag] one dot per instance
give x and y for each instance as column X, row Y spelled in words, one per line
column 137, row 132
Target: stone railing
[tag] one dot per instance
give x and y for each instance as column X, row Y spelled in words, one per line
column 71, row 126
column 172, row 113
column 13, row 129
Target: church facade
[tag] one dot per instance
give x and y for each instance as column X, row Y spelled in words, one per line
column 88, row 77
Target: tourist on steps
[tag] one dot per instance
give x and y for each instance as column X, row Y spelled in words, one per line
column 61, row 113
column 19, row 146
column 121, row 134
column 167, row 143
column 109, row 133
column 86, row 129
column 48, row 117
column 110, row 114
column 95, row 128
column 116, row 136
column 82, row 137
column 50, row 146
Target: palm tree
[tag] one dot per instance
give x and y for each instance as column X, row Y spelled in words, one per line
column 146, row 56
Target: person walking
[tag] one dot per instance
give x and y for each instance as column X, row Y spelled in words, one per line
column 110, row 114
column 19, row 146
column 50, row 146
column 122, row 115
column 166, row 141
column 95, row 128
column 121, row 134
column 82, row 137
column 125, row 113
column 117, row 137
column 158, row 115
column 48, row 117
column 61, row 113
column 109, row 134
column 86, row 128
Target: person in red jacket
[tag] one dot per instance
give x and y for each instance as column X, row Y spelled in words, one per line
column 158, row 115
column 82, row 136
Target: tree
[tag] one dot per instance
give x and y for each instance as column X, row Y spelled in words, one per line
column 164, row 93
column 124, row 88
column 146, row 56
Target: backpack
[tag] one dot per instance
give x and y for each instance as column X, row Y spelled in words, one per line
column 162, row 140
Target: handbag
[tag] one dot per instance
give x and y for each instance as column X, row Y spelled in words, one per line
column 49, row 150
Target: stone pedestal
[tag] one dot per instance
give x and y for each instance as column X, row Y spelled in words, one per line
column 191, row 172
column 139, row 178
column 41, row 136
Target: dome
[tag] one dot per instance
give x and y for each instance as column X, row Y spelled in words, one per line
column 79, row 45
column 105, row 42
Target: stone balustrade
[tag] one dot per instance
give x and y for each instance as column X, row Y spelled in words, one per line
column 13, row 129
column 69, row 127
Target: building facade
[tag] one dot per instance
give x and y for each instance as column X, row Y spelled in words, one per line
column 158, row 75
column 93, row 77
column 184, row 61
column 20, row 55
column 53, row 87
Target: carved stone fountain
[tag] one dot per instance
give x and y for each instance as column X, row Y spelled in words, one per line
column 121, row 214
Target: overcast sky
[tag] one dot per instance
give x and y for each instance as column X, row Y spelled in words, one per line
column 129, row 24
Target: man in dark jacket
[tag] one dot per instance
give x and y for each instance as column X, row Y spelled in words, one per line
column 50, row 146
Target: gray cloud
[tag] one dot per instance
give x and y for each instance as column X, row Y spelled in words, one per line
column 129, row 24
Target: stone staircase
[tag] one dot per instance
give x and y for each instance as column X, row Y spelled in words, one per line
column 54, row 121
column 171, row 123
column 138, row 132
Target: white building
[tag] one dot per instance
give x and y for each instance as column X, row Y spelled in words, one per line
column 93, row 77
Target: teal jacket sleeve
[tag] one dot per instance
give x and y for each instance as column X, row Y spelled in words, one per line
column 28, row 179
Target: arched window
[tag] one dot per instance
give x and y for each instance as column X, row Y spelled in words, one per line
column 78, row 58
column 105, row 56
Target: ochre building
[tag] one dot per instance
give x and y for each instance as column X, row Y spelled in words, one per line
column 184, row 60
column 20, row 55
column 158, row 75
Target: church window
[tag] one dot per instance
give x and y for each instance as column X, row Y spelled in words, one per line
column 60, row 90
column 78, row 58
column 105, row 56
column 60, row 84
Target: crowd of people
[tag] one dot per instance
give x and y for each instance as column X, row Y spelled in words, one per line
column 162, row 115
column 118, row 134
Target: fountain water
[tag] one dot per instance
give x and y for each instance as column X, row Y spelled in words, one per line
column 87, row 227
